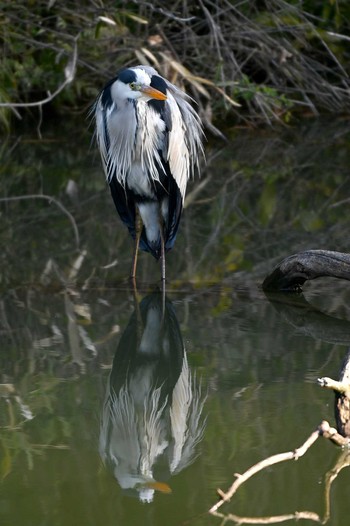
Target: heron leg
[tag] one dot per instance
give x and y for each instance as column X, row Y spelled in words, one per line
column 138, row 230
column 139, row 326
column 162, row 253
column 163, row 300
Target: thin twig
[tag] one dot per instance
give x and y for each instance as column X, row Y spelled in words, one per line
column 165, row 12
column 335, row 385
column 51, row 200
column 270, row 461
column 324, row 429
column 69, row 74
column 274, row 519
column 338, row 35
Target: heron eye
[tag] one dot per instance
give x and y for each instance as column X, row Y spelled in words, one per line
column 132, row 85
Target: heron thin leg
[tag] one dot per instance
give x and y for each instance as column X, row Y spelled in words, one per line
column 137, row 311
column 163, row 300
column 138, row 230
column 162, row 253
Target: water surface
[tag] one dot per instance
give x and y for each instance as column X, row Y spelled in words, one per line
column 124, row 407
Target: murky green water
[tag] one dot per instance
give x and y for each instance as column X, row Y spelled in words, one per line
column 124, row 409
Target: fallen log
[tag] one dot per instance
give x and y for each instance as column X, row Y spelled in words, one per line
column 294, row 270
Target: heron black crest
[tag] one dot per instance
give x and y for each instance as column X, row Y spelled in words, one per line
column 158, row 105
column 150, row 139
column 127, row 76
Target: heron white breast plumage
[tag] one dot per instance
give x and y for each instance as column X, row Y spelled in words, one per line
column 150, row 140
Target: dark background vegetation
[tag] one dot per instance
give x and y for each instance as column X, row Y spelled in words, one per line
column 274, row 58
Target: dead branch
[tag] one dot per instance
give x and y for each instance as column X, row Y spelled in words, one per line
column 51, row 200
column 342, row 462
column 294, row 270
column 332, row 434
column 289, row 274
column 324, row 429
column 339, row 387
column 341, row 390
column 270, row 461
column 69, row 72
column 306, row 515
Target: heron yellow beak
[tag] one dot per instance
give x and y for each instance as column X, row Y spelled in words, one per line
column 159, row 486
column 153, row 93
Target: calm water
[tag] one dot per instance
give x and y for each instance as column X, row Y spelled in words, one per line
column 124, row 407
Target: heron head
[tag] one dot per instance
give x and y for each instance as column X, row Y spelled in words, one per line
column 136, row 83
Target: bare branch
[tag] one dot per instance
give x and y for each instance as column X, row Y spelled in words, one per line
column 332, row 434
column 165, row 12
column 340, row 387
column 270, row 461
column 324, row 429
column 338, row 36
column 69, row 74
column 51, row 200
column 274, row 519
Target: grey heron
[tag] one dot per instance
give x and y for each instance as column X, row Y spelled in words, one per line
column 150, row 140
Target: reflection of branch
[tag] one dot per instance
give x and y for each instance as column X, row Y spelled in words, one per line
column 323, row 429
column 69, row 72
column 306, row 515
column 50, row 199
column 309, row 320
column 342, row 462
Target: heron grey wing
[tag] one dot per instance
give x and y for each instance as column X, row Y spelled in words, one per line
column 193, row 126
column 115, row 130
column 174, row 209
column 184, row 139
column 124, row 204
column 189, row 122
column 101, row 133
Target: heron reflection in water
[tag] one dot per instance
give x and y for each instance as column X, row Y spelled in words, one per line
column 152, row 415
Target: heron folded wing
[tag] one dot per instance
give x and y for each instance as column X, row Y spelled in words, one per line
column 174, row 214
column 124, row 205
